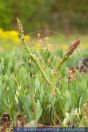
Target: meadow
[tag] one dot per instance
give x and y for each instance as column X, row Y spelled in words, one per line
column 40, row 84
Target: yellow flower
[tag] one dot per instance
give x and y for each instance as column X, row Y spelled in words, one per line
column 1, row 33
column 12, row 35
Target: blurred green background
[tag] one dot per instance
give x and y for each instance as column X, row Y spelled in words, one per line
column 66, row 16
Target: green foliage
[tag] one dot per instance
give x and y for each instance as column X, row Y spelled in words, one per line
column 24, row 90
column 40, row 14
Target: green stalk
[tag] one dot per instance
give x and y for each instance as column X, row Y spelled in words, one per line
column 34, row 58
column 62, row 62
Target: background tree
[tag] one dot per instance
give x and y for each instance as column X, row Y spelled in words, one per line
column 62, row 15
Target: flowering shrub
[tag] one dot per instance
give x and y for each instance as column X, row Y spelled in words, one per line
column 11, row 35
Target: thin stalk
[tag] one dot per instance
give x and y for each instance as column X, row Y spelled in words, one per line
column 34, row 58
column 62, row 62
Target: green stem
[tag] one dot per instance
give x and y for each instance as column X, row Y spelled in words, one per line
column 35, row 59
column 62, row 62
